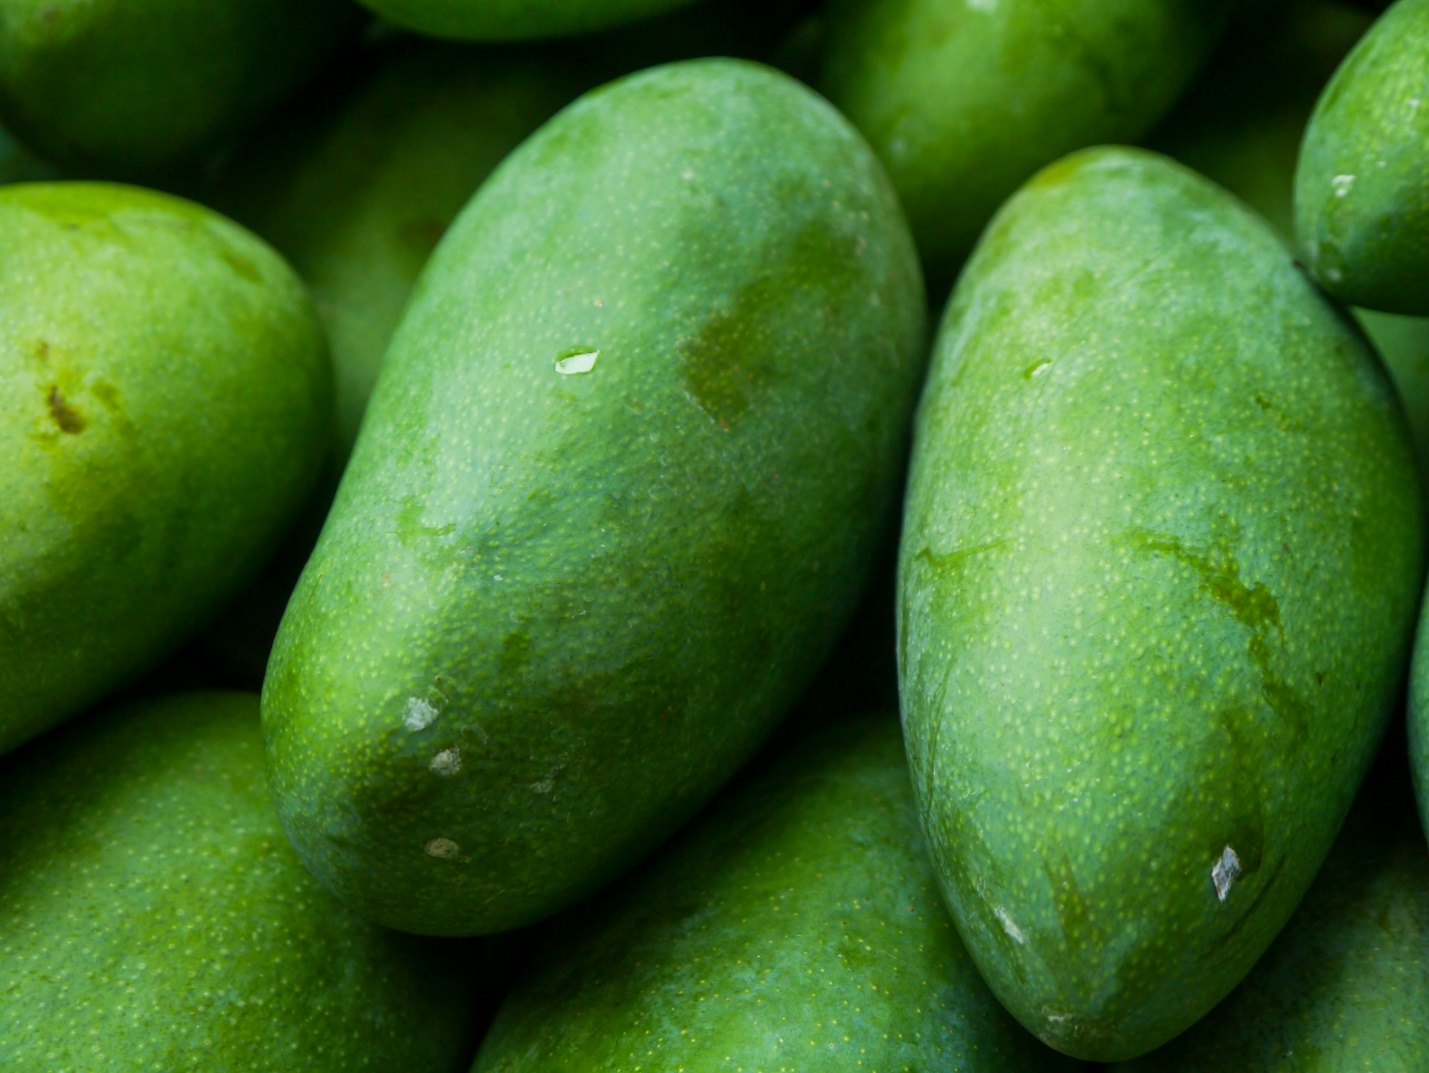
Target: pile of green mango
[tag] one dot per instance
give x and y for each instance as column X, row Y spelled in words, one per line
column 546, row 536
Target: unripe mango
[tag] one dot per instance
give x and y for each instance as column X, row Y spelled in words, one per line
column 797, row 926
column 515, row 20
column 153, row 917
column 128, row 88
column 622, row 477
column 1161, row 556
column 964, row 99
column 164, row 410
column 1362, row 184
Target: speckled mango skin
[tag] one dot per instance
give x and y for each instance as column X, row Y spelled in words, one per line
column 964, row 100
column 153, row 916
column 357, row 196
column 1157, row 578
column 550, row 614
column 132, row 88
column 165, row 405
column 798, row 926
column 1344, row 987
column 516, row 20
column 1362, row 184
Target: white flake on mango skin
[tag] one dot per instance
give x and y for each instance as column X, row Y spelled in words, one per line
column 446, row 762
column 1013, row 931
column 577, row 363
column 1224, row 872
column 1342, row 184
column 420, row 714
column 442, row 848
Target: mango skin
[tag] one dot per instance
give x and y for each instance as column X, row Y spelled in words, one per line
column 964, row 101
column 798, row 926
column 166, row 403
column 357, row 196
column 516, row 20
column 551, row 613
column 1160, row 553
column 1362, row 183
column 152, row 916
column 135, row 88
column 1344, row 987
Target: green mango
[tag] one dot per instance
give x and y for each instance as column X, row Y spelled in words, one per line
column 1161, row 554
column 621, row 480
column 165, row 408
column 516, row 20
column 129, row 88
column 153, row 916
column 1343, row 989
column 357, row 195
column 797, row 926
column 1362, row 184
column 1241, row 125
column 963, row 100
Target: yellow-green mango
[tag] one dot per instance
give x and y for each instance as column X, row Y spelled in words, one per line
column 619, row 486
column 1362, row 184
column 797, row 926
column 964, row 99
column 1344, row 987
column 516, row 20
column 153, row 917
column 165, row 406
column 128, row 88
column 1160, row 562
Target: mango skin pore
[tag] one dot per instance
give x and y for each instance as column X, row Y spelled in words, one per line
column 1362, row 182
column 618, row 488
column 153, row 916
column 166, row 403
column 1158, row 575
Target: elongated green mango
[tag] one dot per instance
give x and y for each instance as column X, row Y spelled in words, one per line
column 356, row 196
column 1161, row 553
column 153, row 916
column 515, row 20
column 1362, row 185
column 797, row 927
column 165, row 407
column 964, row 99
column 619, row 485
column 128, row 88
column 1344, row 987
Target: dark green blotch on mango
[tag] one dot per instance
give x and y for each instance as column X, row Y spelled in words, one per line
column 356, row 196
column 1241, row 125
column 166, row 404
column 153, row 916
column 798, row 926
column 620, row 483
column 516, row 20
column 964, row 100
column 1161, row 552
column 130, row 88
column 1343, row 988
column 1362, row 184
